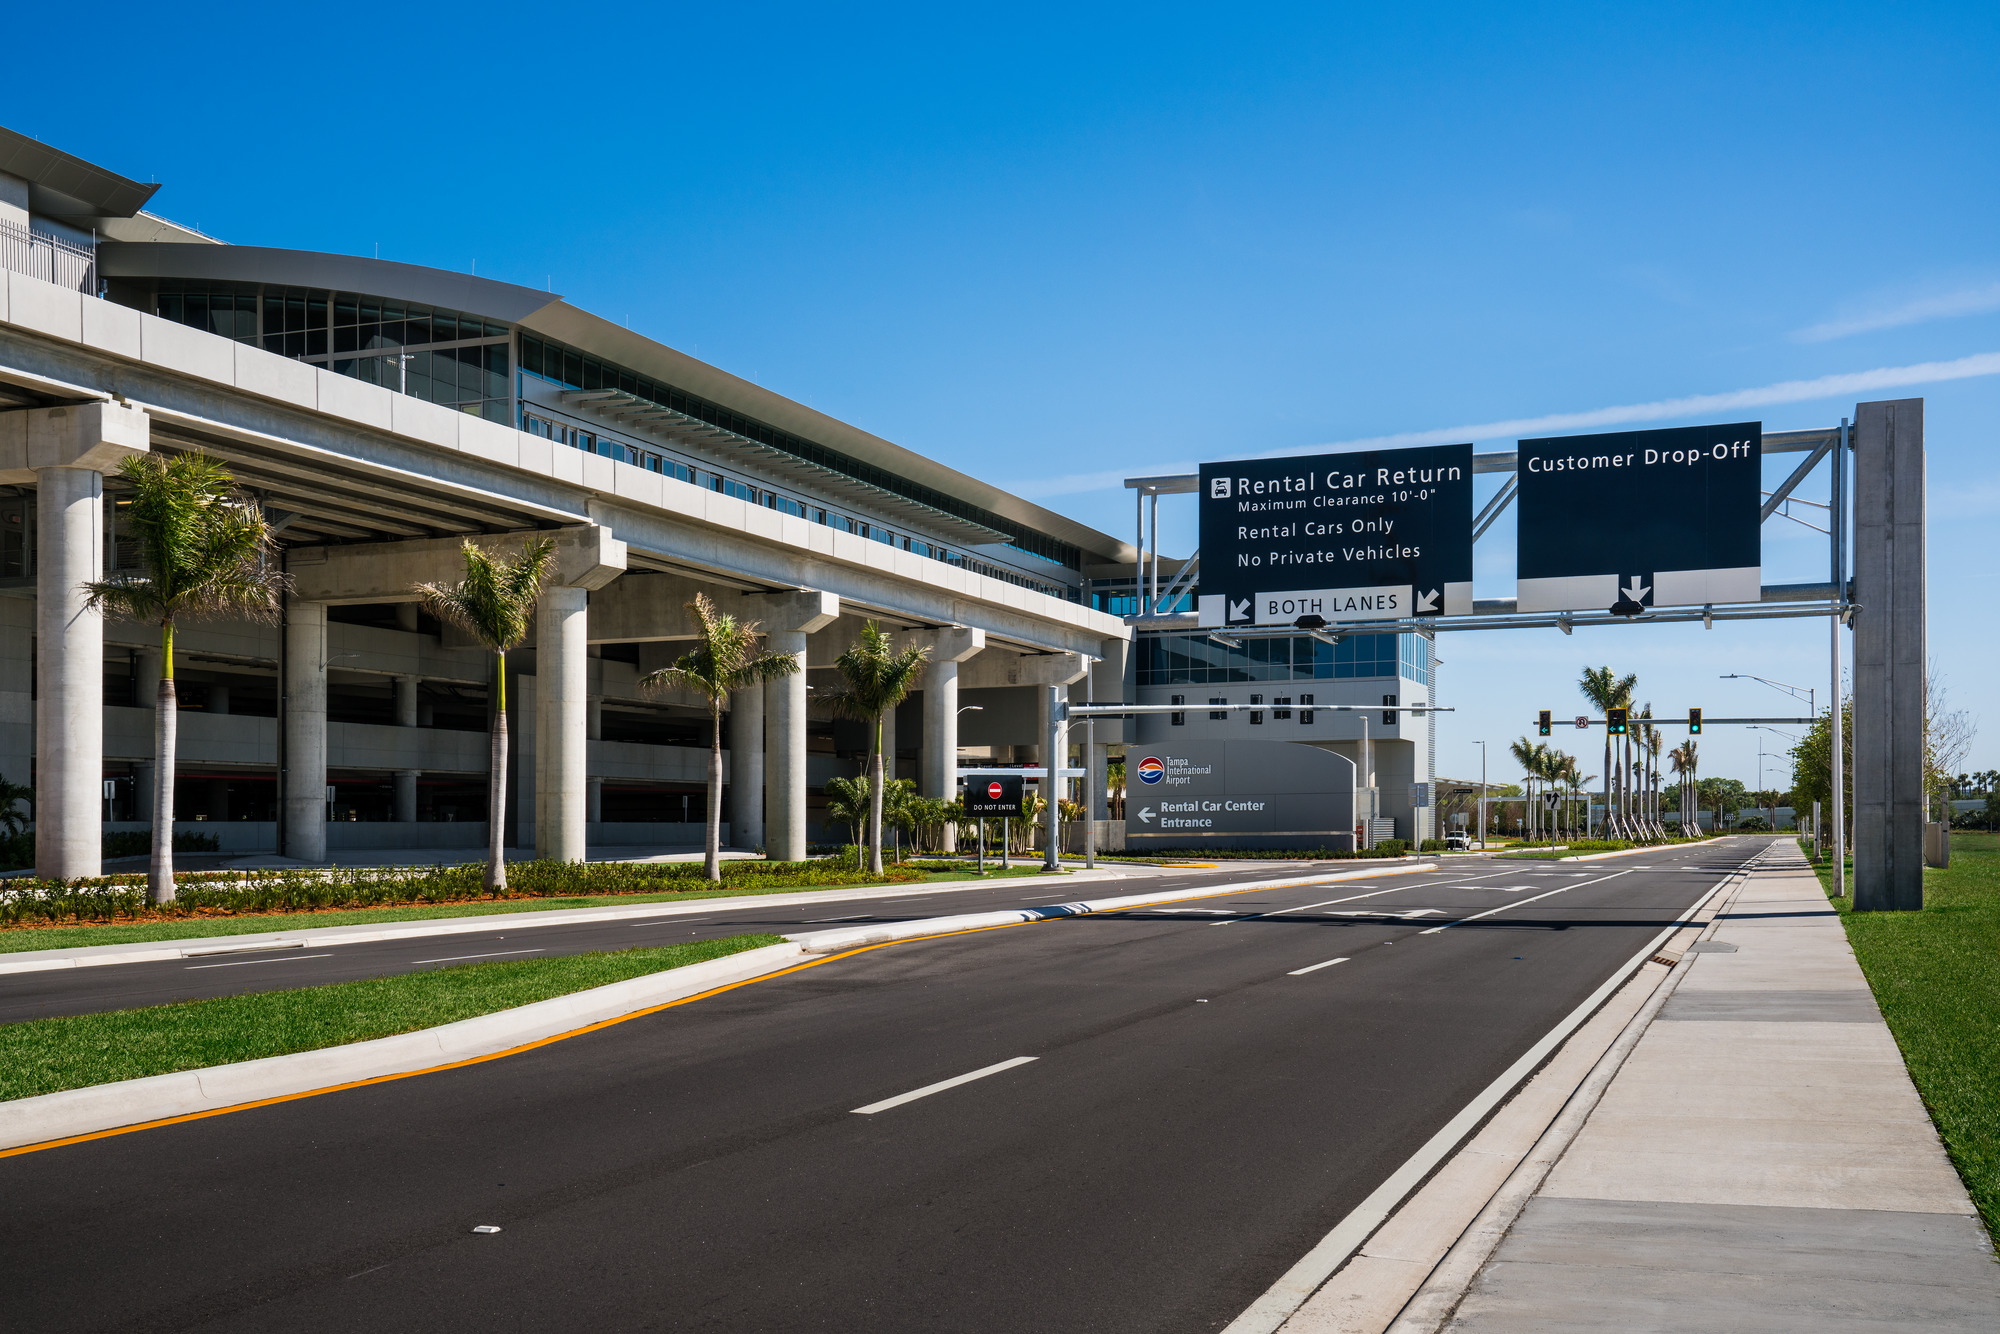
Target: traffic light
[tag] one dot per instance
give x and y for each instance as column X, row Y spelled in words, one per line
column 1694, row 722
column 1615, row 718
column 1542, row 722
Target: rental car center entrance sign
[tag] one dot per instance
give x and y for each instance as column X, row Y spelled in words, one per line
column 1378, row 535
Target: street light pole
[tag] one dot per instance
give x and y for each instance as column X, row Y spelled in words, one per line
column 1482, row 794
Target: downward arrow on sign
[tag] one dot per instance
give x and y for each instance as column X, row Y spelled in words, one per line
column 1637, row 590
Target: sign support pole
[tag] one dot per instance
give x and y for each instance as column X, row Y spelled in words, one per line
column 1837, row 713
column 1054, row 760
column 1091, row 787
column 982, row 845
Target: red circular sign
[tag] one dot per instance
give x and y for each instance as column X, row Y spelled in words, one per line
column 993, row 791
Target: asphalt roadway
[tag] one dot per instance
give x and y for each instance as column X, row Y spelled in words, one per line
column 530, row 935
column 1179, row 1105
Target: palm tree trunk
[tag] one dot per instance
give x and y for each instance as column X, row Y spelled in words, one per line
column 711, row 860
column 496, row 784
column 875, row 802
column 166, row 733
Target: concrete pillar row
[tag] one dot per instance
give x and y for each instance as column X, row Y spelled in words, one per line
column 69, row 666
column 405, row 801
column 746, row 767
column 406, row 701
column 303, row 720
column 562, row 684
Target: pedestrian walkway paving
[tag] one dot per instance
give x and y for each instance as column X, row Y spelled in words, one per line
column 1760, row 1162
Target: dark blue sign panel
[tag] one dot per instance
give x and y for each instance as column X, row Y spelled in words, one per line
column 1369, row 536
column 1661, row 518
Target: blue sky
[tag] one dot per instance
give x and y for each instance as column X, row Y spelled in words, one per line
column 1054, row 246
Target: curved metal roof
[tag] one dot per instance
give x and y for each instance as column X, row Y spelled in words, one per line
column 547, row 313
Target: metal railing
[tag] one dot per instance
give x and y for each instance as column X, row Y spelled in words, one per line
column 51, row 258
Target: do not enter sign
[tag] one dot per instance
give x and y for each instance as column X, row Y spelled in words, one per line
column 993, row 797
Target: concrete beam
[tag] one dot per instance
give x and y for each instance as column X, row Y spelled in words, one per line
column 587, row 557
column 992, row 669
column 96, row 436
column 645, row 608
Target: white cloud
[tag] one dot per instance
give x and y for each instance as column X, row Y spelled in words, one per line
column 1697, row 405
column 1969, row 301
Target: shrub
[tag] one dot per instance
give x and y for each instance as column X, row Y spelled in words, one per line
column 222, row 893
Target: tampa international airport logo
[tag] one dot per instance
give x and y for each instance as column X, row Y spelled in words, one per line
column 1152, row 769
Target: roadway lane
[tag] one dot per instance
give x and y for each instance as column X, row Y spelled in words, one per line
column 1198, row 1111
column 125, row 986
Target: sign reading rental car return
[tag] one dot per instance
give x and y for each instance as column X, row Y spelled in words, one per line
column 1369, row 536
column 1657, row 518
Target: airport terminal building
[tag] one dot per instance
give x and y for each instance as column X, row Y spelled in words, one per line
column 380, row 413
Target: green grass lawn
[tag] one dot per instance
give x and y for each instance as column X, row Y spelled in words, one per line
column 1936, row 975
column 15, row 939
column 49, row 1055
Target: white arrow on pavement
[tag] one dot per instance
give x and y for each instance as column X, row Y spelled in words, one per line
column 1426, row 602
column 1146, row 814
column 1637, row 590
column 1414, row 912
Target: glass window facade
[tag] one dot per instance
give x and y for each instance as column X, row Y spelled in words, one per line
column 572, row 369
column 428, row 352
column 1199, row 660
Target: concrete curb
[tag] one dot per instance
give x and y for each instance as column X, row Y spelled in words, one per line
column 130, row 1103
column 307, row 937
column 828, row 942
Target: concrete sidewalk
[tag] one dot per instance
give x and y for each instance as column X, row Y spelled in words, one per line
column 1761, row 1161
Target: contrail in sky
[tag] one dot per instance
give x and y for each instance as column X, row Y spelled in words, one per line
column 1697, row 405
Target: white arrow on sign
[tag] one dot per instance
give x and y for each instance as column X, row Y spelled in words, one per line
column 1146, row 814
column 1427, row 602
column 1637, row 590
column 1240, row 611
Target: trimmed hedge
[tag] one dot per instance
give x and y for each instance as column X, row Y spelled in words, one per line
column 221, row 893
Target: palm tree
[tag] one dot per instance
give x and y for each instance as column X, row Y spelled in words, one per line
column 204, row 550
column 493, row 603
column 1683, row 760
column 726, row 658
column 847, row 802
column 877, row 678
column 1533, row 757
column 1606, row 692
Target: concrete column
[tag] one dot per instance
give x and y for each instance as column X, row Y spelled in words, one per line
column 303, row 718
column 746, row 768
column 406, row 699
column 562, row 682
column 218, row 699
column 405, row 802
column 937, row 764
column 142, row 790
column 593, row 727
column 785, row 755
column 593, row 800
column 69, row 658
column 788, row 620
column 1889, row 664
